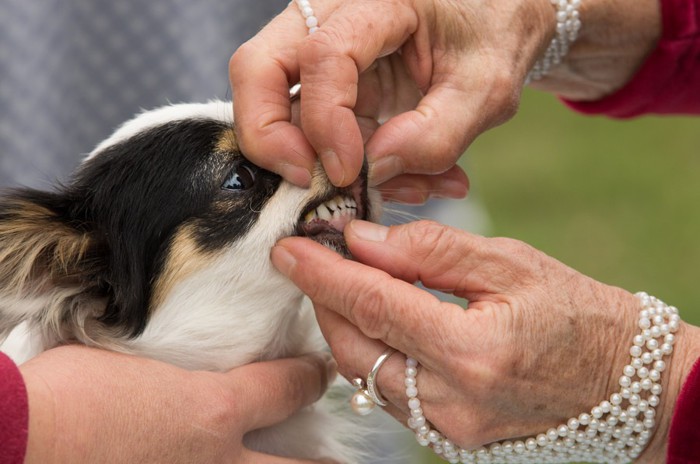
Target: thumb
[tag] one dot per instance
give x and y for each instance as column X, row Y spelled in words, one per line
column 275, row 390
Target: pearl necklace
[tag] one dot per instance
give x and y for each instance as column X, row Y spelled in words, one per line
column 568, row 25
column 615, row 431
column 307, row 12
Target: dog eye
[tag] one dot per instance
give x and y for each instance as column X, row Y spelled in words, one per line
column 242, row 178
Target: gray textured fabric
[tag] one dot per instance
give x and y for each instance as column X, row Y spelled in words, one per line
column 71, row 71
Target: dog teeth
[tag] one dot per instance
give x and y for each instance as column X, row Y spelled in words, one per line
column 324, row 212
column 333, row 208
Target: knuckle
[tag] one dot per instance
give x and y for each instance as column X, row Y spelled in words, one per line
column 429, row 240
column 319, row 45
column 240, row 57
column 371, row 311
column 505, row 93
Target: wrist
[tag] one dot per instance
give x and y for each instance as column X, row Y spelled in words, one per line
column 615, row 39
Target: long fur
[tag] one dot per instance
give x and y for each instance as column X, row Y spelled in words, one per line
column 144, row 252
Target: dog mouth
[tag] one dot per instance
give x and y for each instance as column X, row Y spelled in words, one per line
column 324, row 219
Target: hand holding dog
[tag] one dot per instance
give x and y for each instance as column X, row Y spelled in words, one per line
column 539, row 342
column 438, row 72
column 91, row 405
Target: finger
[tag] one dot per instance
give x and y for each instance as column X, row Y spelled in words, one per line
column 346, row 44
column 254, row 457
column 382, row 307
column 356, row 354
column 430, row 139
column 281, row 387
column 260, row 72
column 417, row 189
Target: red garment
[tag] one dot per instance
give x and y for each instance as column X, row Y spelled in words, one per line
column 669, row 80
column 684, row 438
column 14, row 413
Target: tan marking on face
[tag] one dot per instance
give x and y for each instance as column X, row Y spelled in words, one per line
column 184, row 259
column 227, row 142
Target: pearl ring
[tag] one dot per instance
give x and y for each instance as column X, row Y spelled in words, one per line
column 367, row 396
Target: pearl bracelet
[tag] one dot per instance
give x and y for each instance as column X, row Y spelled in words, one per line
column 308, row 13
column 568, row 25
column 615, row 431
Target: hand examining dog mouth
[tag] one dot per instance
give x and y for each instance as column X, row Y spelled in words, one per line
column 324, row 219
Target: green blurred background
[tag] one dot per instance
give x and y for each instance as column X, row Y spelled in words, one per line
column 616, row 200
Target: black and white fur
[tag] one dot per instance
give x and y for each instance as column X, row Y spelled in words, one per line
column 159, row 246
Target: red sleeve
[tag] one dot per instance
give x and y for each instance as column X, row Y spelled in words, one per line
column 669, row 81
column 684, row 438
column 14, row 413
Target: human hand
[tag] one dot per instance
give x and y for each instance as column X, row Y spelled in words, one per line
column 456, row 75
column 438, row 72
column 90, row 405
column 538, row 344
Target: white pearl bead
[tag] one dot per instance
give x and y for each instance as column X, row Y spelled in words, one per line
column 414, row 403
column 362, row 404
column 659, row 366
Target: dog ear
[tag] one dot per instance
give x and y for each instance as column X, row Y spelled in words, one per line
column 50, row 263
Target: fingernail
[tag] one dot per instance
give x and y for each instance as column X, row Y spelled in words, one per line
column 384, row 169
column 333, row 167
column 451, row 189
column 296, row 175
column 369, row 231
column 283, row 260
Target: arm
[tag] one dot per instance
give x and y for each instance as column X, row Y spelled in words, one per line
column 665, row 81
column 89, row 405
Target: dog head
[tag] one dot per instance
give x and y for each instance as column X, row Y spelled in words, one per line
column 161, row 242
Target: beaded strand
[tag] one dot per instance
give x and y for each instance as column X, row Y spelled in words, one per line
column 615, row 431
column 568, row 25
column 308, row 13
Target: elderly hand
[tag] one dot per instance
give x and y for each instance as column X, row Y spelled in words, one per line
column 538, row 344
column 437, row 73
column 90, row 405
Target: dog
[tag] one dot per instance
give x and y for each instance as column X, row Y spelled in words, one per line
column 159, row 247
